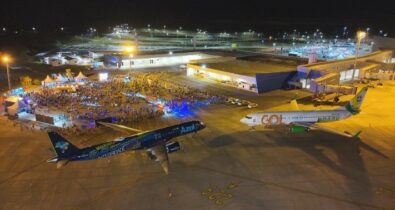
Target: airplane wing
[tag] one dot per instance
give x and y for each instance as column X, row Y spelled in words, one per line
column 313, row 126
column 329, row 130
column 304, row 124
column 160, row 155
column 121, row 128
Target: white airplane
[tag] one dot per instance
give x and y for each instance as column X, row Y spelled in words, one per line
column 303, row 121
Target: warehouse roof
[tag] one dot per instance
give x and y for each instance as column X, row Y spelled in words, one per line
column 324, row 65
column 248, row 68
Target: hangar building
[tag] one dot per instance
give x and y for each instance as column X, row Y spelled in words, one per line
column 249, row 74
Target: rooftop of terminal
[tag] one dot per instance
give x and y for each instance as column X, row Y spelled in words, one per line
column 242, row 66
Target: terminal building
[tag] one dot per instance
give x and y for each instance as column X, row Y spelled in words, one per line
column 260, row 74
column 377, row 65
column 252, row 74
column 263, row 73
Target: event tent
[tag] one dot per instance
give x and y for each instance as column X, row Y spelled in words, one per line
column 48, row 81
column 80, row 77
column 61, row 79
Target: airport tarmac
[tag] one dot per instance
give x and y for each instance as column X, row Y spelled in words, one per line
column 225, row 166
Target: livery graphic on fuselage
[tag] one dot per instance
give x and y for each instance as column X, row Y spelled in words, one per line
column 286, row 118
column 62, row 145
column 149, row 140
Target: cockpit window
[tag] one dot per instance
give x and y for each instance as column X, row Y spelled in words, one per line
column 248, row 117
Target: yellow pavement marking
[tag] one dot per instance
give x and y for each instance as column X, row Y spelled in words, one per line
column 219, row 195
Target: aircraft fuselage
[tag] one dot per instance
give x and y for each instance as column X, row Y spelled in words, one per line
column 140, row 141
column 288, row 117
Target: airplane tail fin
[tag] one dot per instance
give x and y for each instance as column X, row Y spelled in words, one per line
column 354, row 106
column 295, row 105
column 63, row 148
column 356, row 135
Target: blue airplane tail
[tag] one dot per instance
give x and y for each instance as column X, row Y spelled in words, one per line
column 63, row 148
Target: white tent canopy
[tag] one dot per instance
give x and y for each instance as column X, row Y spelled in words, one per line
column 80, row 76
column 13, row 108
column 48, row 79
column 60, row 78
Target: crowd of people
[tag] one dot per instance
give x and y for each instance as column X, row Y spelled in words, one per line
column 159, row 85
column 140, row 96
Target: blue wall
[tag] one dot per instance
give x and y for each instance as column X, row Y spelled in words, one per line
column 314, row 74
column 273, row 81
column 302, row 75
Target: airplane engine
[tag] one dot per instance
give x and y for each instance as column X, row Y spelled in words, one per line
column 170, row 148
column 298, row 129
column 152, row 156
column 173, row 147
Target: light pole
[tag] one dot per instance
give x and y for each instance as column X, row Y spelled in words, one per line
column 6, row 59
column 130, row 61
column 360, row 35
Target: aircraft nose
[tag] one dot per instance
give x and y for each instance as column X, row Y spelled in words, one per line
column 243, row 120
column 202, row 125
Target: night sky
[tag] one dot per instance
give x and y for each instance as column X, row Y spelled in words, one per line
column 207, row 14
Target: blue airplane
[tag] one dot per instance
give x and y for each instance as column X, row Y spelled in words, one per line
column 156, row 142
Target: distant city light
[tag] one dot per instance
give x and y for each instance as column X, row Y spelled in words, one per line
column 6, row 59
column 361, row 35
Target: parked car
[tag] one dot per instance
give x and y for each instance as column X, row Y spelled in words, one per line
column 252, row 105
column 243, row 103
column 231, row 100
column 235, row 101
